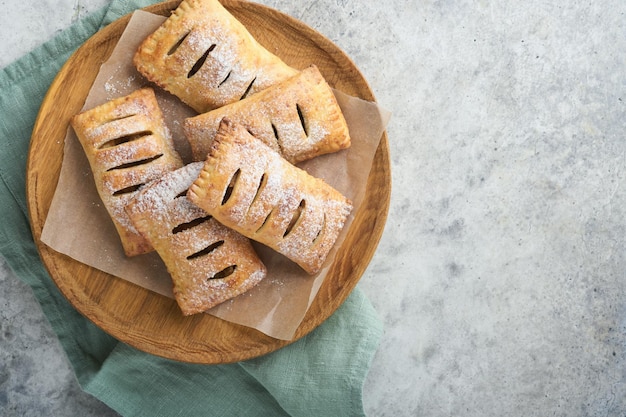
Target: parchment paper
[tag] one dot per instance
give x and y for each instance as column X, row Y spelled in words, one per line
column 79, row 226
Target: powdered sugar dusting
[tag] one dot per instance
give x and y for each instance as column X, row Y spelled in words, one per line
column 120, row 168
column 231, row 50
column 159, row 210
column 115, row 86
column 268, row 219
column 273, row 116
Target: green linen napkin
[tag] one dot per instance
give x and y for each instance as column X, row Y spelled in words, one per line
column 320, row 375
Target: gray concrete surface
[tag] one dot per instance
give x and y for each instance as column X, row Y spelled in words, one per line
column 501, row 274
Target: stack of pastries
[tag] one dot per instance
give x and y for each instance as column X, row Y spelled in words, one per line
column 257, row 118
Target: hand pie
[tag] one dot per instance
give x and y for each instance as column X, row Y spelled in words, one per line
column 203, row 55
column 208, row 262
column 128, row 145
column 250, row 188
column 299, row 118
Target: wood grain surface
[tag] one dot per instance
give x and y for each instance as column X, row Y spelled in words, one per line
column 153, row 323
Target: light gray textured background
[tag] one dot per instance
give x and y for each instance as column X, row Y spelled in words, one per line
column 501, row 274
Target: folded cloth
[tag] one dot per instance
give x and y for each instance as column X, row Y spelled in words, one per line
column 322, row 374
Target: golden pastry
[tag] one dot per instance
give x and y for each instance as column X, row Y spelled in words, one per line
column 208, row 262
column 203, row 55
column 127, row 144
column 250, row 188
column 299, row 118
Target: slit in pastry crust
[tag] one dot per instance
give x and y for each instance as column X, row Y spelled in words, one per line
column 299, row 118
column 203, row 55
column 128, row 145
column 208, row 262
column 272, row 201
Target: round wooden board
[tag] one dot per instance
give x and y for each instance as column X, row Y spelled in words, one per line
column 153, row 323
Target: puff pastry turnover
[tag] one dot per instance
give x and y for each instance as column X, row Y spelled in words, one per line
column 203, row 55
column 299, row 118
column 128, row 145
column 250, row 188
column 208, row 262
